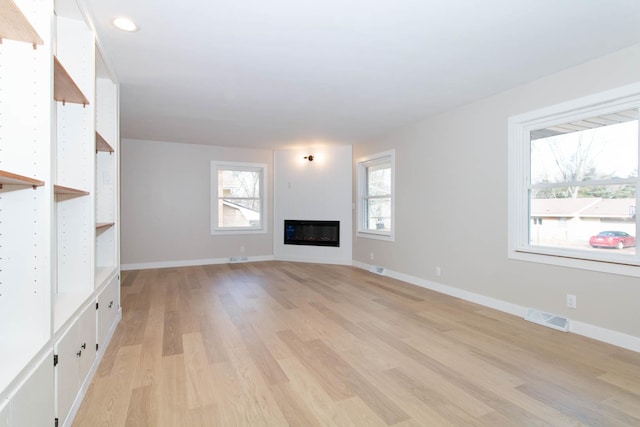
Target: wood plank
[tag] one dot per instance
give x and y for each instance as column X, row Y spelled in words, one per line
column 141, row 411
column 333, row 385
column 313, row 396
column 441, row 403
column 227, row 394
column 199, row 378
column 69, row 191
column 64, row 88
column 262, row 357
column 10, row 178
column 172, row 336
column 256, row 402
column 15, row 26
column 102, row 145
column 211, row 337
column 373, row 397
column 292, row 407
column 172, row 392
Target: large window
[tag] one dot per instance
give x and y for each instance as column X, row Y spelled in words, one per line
column 237, row 197
column 573, row 183
column 375, row 196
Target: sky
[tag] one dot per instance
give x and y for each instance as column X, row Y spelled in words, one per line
column 613, row 151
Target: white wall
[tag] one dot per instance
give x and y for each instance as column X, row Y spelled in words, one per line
column 165, row 198
column 451, row 205
column 318, row 190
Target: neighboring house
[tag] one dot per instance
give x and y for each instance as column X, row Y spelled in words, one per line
column 575, row 220
column 236, row 214
column 239, row 216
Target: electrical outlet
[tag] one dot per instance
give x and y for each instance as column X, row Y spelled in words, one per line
column 371, row 256
column 571, row 301
column 241, row 249
column 438, row 271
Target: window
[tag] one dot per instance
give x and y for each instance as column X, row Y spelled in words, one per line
column 237, row 198
column 573, row 183
column 375, row 196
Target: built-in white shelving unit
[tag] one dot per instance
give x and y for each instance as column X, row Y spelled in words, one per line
column 59, row 254
column 25, row 211
column 107, row 147
column 74, row 92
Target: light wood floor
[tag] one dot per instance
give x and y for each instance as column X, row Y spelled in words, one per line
column 276, row 344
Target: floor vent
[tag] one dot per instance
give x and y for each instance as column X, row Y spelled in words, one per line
column 546, row 319
column 376, row 269
column 237, row 259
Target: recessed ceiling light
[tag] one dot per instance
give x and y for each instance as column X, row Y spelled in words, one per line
column 125, row 24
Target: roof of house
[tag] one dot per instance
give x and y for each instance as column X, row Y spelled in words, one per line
column 583, row 207
column 611, row 208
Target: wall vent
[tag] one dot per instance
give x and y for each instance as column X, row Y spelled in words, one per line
column 376, row 269
column 547, row 319
column 237, row 259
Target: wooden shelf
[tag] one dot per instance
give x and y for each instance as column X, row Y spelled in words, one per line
column 104, row 225
column 68, row 191
column 15, row 26
column 15, row 179
column 102, row 144
column 64, row 88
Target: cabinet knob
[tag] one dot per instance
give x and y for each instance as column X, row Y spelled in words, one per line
column 111, row 304
column 84, row 345
column 79, row 353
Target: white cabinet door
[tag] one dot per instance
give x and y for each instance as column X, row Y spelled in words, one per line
column 76, row 351
column 87, row 341
column 67, row 372
column 32, row 405
column 108, row 304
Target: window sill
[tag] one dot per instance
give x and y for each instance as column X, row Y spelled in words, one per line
column 223, row 232
column 375, row 235
column 572, row 261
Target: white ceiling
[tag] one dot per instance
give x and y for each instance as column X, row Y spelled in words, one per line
column 277, row 73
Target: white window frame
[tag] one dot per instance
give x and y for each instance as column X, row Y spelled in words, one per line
column 519, row 153
column 261, row 168
column 362, row 165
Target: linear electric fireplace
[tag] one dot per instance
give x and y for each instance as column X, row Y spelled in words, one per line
column 314, row 233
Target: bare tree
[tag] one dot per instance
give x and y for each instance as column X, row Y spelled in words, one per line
column 578, row 165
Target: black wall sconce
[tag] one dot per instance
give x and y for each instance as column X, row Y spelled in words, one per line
column 309, row 157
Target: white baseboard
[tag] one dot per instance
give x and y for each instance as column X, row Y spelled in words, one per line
column 189, row 263
column 616, row 338
column 314, row 260
column 598, row 333
column 212, row 261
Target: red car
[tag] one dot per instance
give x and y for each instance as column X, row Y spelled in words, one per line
column 612, row 239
